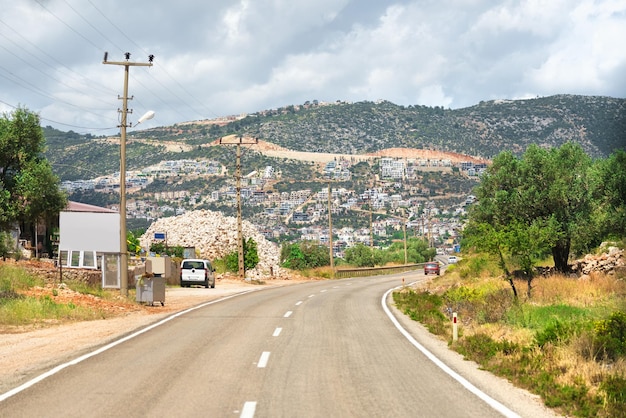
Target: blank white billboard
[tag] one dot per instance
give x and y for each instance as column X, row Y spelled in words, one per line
column 89, row 231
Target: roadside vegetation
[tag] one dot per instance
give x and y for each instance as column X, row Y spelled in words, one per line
column 18, row 309
column 563, row 337
column 567, row 343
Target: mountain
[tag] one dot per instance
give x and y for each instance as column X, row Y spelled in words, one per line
column 598, row 124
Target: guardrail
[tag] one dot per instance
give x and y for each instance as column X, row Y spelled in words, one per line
column 376, row 271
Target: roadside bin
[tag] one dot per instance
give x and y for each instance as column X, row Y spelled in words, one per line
column 150, row 290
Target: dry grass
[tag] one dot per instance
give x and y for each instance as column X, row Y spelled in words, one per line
column 598, row 289
column 576, row 366
column 546, row 342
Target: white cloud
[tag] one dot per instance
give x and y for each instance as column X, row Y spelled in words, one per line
column 223, row 57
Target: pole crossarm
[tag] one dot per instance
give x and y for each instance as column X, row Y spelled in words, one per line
column 129, row 63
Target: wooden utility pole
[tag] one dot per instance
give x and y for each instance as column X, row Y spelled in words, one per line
column 330, row 233
column 371, row 226
column 404, row 230
column 123, row 125
column 240, row 141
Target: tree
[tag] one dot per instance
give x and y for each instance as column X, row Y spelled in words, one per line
column 29, row 191
column 556, row 184
column 304, row 255
column 542, row 199
column 360, row 256
column 7, row 245
column 610, row 193
column 250, row 257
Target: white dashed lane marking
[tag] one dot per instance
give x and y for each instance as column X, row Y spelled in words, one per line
column 265, row 356
column 248, row 410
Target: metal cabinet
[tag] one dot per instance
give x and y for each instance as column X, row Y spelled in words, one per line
column 150, row 290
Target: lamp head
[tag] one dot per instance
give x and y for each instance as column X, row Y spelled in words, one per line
column 148, row 115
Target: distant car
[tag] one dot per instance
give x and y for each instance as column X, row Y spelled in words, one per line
column 432, row 268
column 196, row 272
column 452, row 259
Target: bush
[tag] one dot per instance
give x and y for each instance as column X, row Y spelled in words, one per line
column 250, row 257
column 614, row 388
column 610, row 336
column 556, row 333
column 360, row 256
column 424, row 307
column 7, row 246
column 305, row 255
column 481, row 347
column 172, row 251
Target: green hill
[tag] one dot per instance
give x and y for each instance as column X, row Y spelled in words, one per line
column 484, row 130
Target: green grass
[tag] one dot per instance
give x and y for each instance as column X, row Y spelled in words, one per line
column 19, row 310
column 15, row 278
column 32, row 311
column 538, row 317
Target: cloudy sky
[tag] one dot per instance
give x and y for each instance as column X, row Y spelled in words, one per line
column 216, row 58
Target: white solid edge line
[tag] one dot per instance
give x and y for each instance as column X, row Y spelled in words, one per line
column 104, row 348
column 464, row 382
column 248, row 410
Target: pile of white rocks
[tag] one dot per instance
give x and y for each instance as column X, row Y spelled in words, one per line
column 214, row 235
column 607, row 262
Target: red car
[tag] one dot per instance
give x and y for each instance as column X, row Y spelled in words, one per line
column 431, row 268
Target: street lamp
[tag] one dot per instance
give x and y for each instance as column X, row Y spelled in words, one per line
column 123, row 246
column 123, row 125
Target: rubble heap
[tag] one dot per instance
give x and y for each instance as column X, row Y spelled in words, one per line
column 214, row 235
column 607, row 262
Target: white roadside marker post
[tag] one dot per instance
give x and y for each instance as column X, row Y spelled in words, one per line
column 455, row 328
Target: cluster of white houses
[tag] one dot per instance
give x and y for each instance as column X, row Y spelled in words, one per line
column 302, row 207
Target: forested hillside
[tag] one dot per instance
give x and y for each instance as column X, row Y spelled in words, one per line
column 598, row 124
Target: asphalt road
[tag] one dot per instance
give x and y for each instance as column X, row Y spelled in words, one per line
column 319, row 349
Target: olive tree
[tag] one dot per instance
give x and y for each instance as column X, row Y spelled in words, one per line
column 609, row 190
column 528, row 205
column 29, row 191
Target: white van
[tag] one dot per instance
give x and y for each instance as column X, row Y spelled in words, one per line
column 195, row 271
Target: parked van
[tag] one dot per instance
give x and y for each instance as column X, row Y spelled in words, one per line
column 195, row 271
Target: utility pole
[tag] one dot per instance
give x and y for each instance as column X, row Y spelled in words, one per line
column 123, row 125
column 404, row 230
column 240, row 141
column 330, row 233
column 371, row 226
column 371, row 230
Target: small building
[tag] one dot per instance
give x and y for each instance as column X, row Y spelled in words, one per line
column 89, row 237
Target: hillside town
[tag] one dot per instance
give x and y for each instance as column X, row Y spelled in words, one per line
column 394, row 202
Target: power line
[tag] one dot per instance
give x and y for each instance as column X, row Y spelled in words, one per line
column 61, row 123
column 159, row 66
column 68, row 26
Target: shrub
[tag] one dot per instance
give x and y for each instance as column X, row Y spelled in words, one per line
column 304, row 255
column 7, row 245
column 481, row 347
column 555, row 333
column 250, row 257
column 424, row 307
column 610, row 336
column 614, row 389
